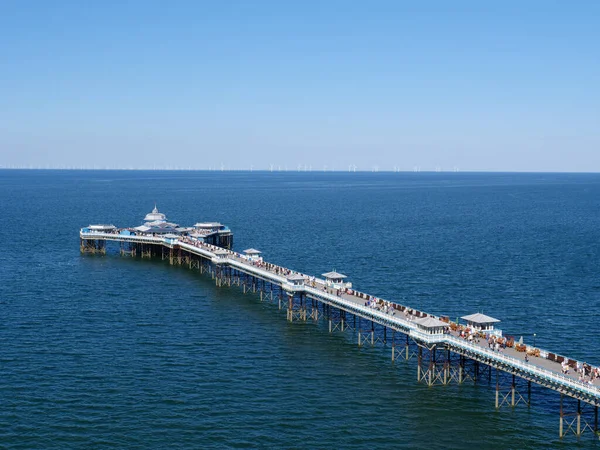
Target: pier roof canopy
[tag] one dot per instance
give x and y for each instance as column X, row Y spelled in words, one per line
column 155, row 215
column 480, row 319
column 296, row 277
column 102, row 227
column 334, row 276
column 252, row 251
column 208, row 225
column 157, row 227
column 430, row 322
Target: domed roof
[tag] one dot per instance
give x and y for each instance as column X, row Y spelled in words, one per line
column 155, row 216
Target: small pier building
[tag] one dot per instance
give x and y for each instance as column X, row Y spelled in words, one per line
column 431, row 325
column 483, row 323
column 213, row 233
column 335, row 280
column 253, row 254
column 296, row 279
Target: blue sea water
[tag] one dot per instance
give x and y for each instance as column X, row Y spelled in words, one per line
column 115, row 352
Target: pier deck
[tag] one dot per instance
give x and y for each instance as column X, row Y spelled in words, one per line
column 398, row 317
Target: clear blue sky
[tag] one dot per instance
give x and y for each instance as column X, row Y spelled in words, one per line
column 479, row 85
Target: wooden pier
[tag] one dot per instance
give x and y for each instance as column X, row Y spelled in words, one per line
column 442, row 356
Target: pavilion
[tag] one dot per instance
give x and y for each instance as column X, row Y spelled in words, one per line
column 253, row 254
column 481, row 322
column 336, row 280
column 431, row 325
column 297, row 279
column 156, row 223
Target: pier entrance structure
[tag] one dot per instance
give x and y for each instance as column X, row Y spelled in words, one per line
column 447, row 352
column 135, row 241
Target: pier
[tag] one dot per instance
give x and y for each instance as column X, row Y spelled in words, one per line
column 445, row 351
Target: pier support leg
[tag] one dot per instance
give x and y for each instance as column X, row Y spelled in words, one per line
column 420, row 359
column 447, row 367
column 290, row 310
column 303, row 306
column 561, row 422
column 578, row 418
column 508, row 395
column 512, row 392
column 431, row 366
column 497, row 391
column 576, row 422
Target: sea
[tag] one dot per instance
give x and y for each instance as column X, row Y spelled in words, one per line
column 113, row 352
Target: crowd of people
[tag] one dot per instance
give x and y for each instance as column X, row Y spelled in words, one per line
column 381, row 305
column 585, row 373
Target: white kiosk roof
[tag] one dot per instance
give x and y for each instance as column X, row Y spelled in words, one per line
column 208, row 225
column 296, row 277
column 102, row 227
column 480, row 318
column 252, row 251
column 430, row 322
column 334, row 276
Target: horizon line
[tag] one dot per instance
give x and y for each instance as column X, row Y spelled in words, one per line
column 119, row 169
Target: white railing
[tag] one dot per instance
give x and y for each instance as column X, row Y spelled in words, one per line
column 121, row 237
column 527, row 367
column 258, row 271
column 367, row 311
column 197, row 250
column 441, row 338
